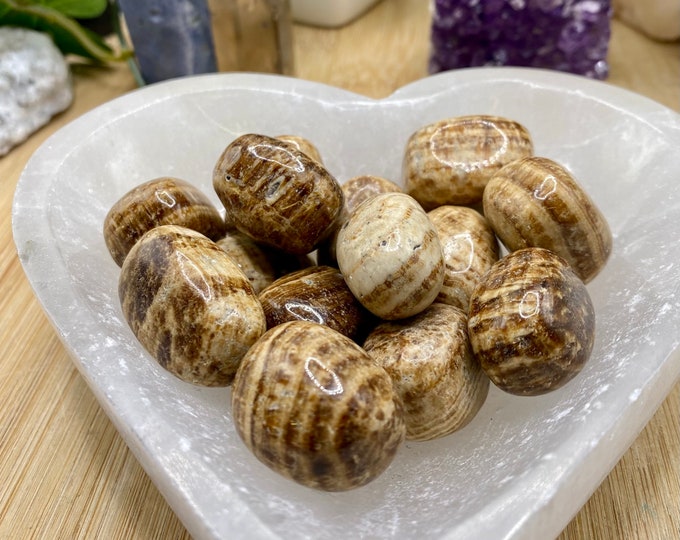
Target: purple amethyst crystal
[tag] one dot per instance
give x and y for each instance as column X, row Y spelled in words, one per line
column 566, row 35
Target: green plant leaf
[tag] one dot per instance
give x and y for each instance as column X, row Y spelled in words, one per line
column 78, row 9
column 68, row 35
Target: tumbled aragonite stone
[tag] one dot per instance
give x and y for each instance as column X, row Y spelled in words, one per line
column 261, row 264
column 390, row 256
column 450, row 161
column 303, row 144
column 565, row 35
column 161, row 201
column 189, row 305
column 361, row 188
column 356, row 190
column 314, row 407
column 433, row 370
column 317, row 294
column 277, row 194
column 531, row 322
column 470, row 248
column 537, row 202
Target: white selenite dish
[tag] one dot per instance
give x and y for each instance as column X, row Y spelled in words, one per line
column 525, row 465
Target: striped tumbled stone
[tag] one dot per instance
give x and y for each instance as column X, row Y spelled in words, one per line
column 314, row 407
column 434, row 372
column 390, row 256
column 470, row 248
column 189, row 305
column 161, row 201
column 277, row 194
column 536, row 202
column 450, row 161
column 531, row 322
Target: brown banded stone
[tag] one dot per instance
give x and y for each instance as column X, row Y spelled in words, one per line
column 277, row 194
column 316, row 294
column 261, row 264
column 531, row 322
column 161, row 201
column 433, row 370
column 304, row 145
column 450, row 161
column 536, row 202
column 470, row 248
column 314, row 407
column 189, row 305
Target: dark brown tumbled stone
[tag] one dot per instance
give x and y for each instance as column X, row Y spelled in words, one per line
column 276, row 194
column 531, row 322
column 316, row 294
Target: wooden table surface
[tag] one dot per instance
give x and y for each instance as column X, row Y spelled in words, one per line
column 64, row 470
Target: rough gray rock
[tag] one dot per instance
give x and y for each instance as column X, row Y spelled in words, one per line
column 35, row 84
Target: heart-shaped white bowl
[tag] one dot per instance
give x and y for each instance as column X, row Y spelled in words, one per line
column 524, row 466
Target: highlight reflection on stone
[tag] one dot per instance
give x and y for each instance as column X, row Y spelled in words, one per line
column 303, row 145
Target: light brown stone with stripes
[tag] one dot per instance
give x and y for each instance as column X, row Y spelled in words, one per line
column 537, row 202
column 390, row 256
column 434, row 372
column 361, row 188
column 470, row 248
column 314, row 407
column 161, row 201
column 189, row 305
column 450, row 161
column 303, row 144
column 357, row 190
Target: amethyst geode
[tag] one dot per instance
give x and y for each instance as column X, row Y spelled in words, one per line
column 566, row 35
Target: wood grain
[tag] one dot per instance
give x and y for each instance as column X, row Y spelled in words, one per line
column 66, row 473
